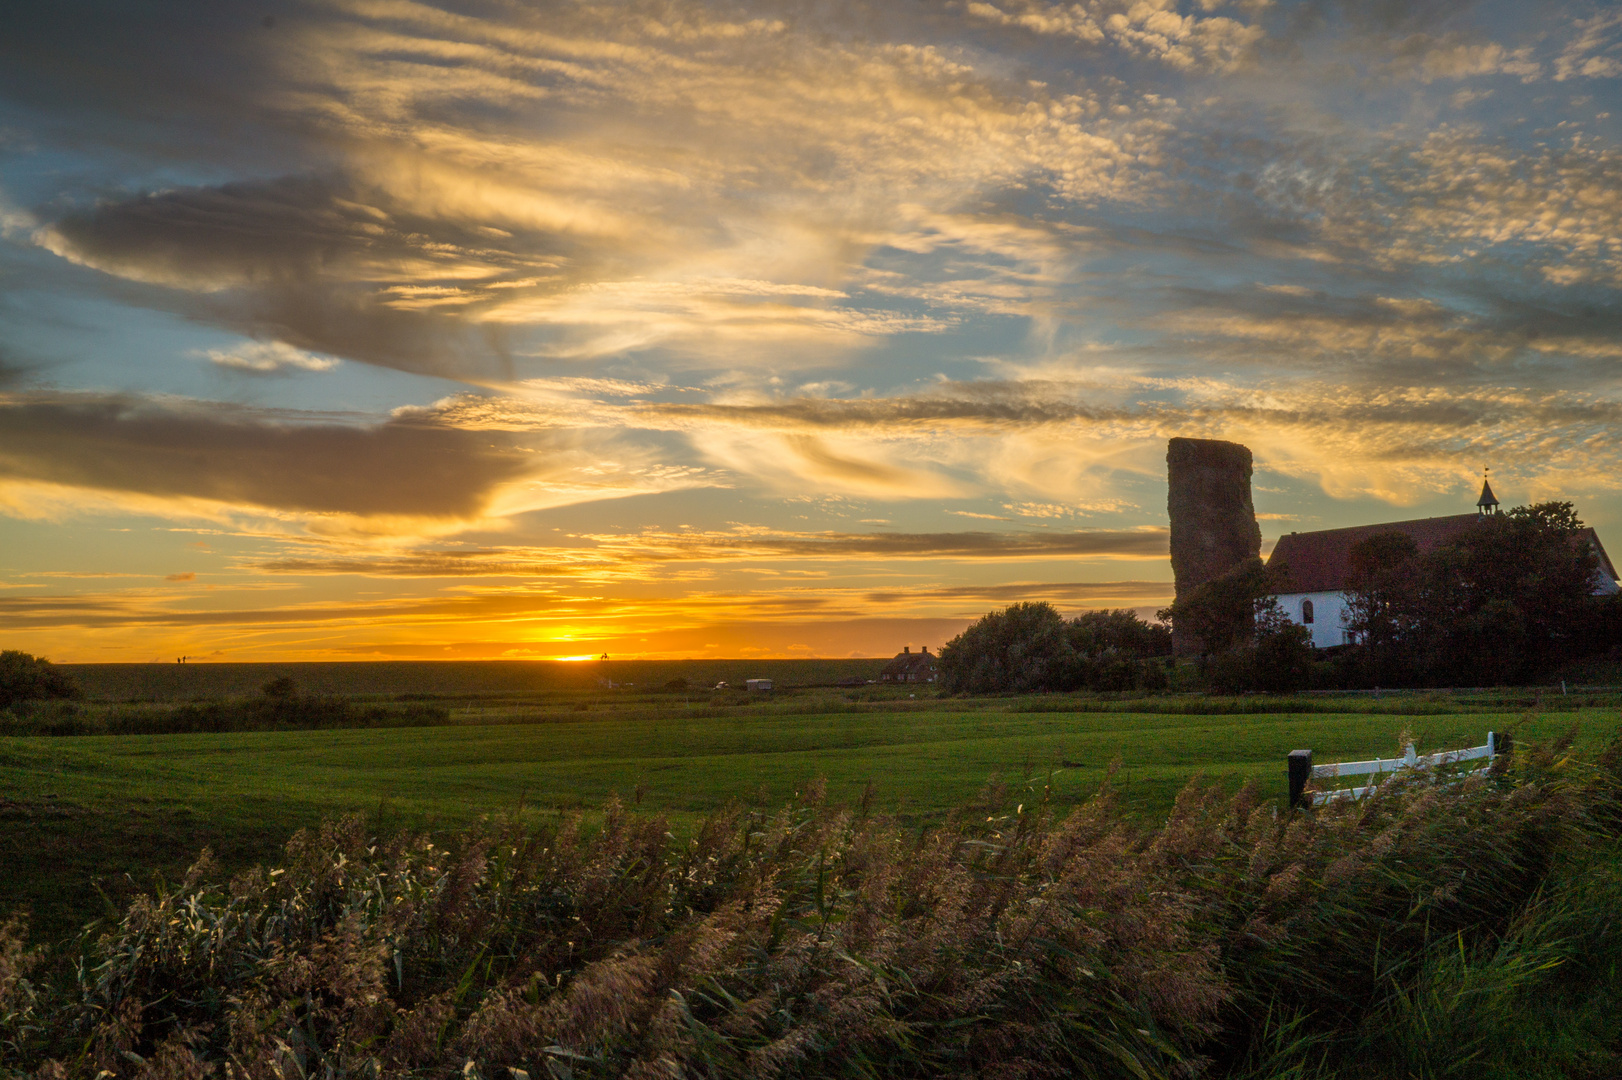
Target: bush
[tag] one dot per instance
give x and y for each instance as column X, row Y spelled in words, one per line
column 281, row 688
column 21, row 1024
column 1278, row 658
column 31, row 678
column 1030, row 648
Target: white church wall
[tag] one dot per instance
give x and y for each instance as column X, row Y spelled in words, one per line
column 1328, row 624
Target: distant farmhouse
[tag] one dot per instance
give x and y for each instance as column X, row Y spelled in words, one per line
column 1318, row 565
column 910, row 667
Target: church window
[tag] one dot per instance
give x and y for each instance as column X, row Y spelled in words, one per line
column 1306, row 612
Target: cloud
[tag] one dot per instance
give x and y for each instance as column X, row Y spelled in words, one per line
column 1143, row 543
column 1390, row 442
column 446, row 232
column 314, row 261
column 616, row 555
column 1456, row 56
column 269, row 358
column 1072, row 594
column 1596, row 51
column 406, row 467
column 1457, row 200
column 839, row 261
column 1146, row 28
column 289, row 229
column 1085, row 443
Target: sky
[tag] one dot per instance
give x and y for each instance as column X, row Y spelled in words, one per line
column 381, row 329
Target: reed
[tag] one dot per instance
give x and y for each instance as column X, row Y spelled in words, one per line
column 1425, row 932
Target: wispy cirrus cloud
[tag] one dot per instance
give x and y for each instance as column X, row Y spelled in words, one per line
column 445, row 209
column 607, row 557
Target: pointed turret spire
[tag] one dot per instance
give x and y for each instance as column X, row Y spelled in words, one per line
column 1488, row 503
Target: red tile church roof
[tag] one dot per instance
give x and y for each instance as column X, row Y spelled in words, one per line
column 1317, row 561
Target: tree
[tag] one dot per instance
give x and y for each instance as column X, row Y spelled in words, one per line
column 1030, row 647
column 1384, row 606
column 1283, row 650
column 1221, row 613
column 1022, row 648
column 31, row 678
column 1096, row 633
column 1507, row 599
column 1275, row 659
column 1236, row 619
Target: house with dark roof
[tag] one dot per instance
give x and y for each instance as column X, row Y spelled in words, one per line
column 910, row 667
column 1317, row 565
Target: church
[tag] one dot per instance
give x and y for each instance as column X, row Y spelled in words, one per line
column 1318, row 565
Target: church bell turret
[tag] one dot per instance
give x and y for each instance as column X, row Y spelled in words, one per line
column 1488, row 503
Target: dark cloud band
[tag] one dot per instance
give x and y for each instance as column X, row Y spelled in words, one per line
column 409, row 466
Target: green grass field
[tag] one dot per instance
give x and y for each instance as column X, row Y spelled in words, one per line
column 87, row 816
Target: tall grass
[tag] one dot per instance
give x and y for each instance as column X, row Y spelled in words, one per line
column 1416, row 934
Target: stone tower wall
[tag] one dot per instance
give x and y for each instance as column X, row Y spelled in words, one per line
column 1213, row 521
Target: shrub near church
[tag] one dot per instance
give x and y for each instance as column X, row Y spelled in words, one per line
column 1030, row 648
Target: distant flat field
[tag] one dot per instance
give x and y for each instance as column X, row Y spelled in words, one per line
column 180, row 682
column 74, row 811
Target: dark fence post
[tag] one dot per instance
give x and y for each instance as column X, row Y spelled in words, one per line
column 1300, row 773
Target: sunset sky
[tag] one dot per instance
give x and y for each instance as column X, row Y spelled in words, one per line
column 382, row 329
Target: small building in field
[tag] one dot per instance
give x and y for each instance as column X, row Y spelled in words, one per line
column 757, row 684
column 910, row 667
column 1318, row 565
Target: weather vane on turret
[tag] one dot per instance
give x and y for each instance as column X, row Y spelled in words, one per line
column 1488, row 503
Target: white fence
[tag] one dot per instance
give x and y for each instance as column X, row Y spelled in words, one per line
column 1303, row 772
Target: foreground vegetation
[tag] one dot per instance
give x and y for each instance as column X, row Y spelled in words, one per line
column 87, row 816
column 597, row 881
column 1429, row 931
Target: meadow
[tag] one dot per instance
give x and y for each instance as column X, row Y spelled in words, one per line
column 548, row 870
column 91, row 820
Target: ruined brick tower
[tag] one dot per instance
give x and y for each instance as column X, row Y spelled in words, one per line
column 1213, row 521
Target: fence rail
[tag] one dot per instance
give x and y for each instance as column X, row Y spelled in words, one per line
column 1303, row 772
